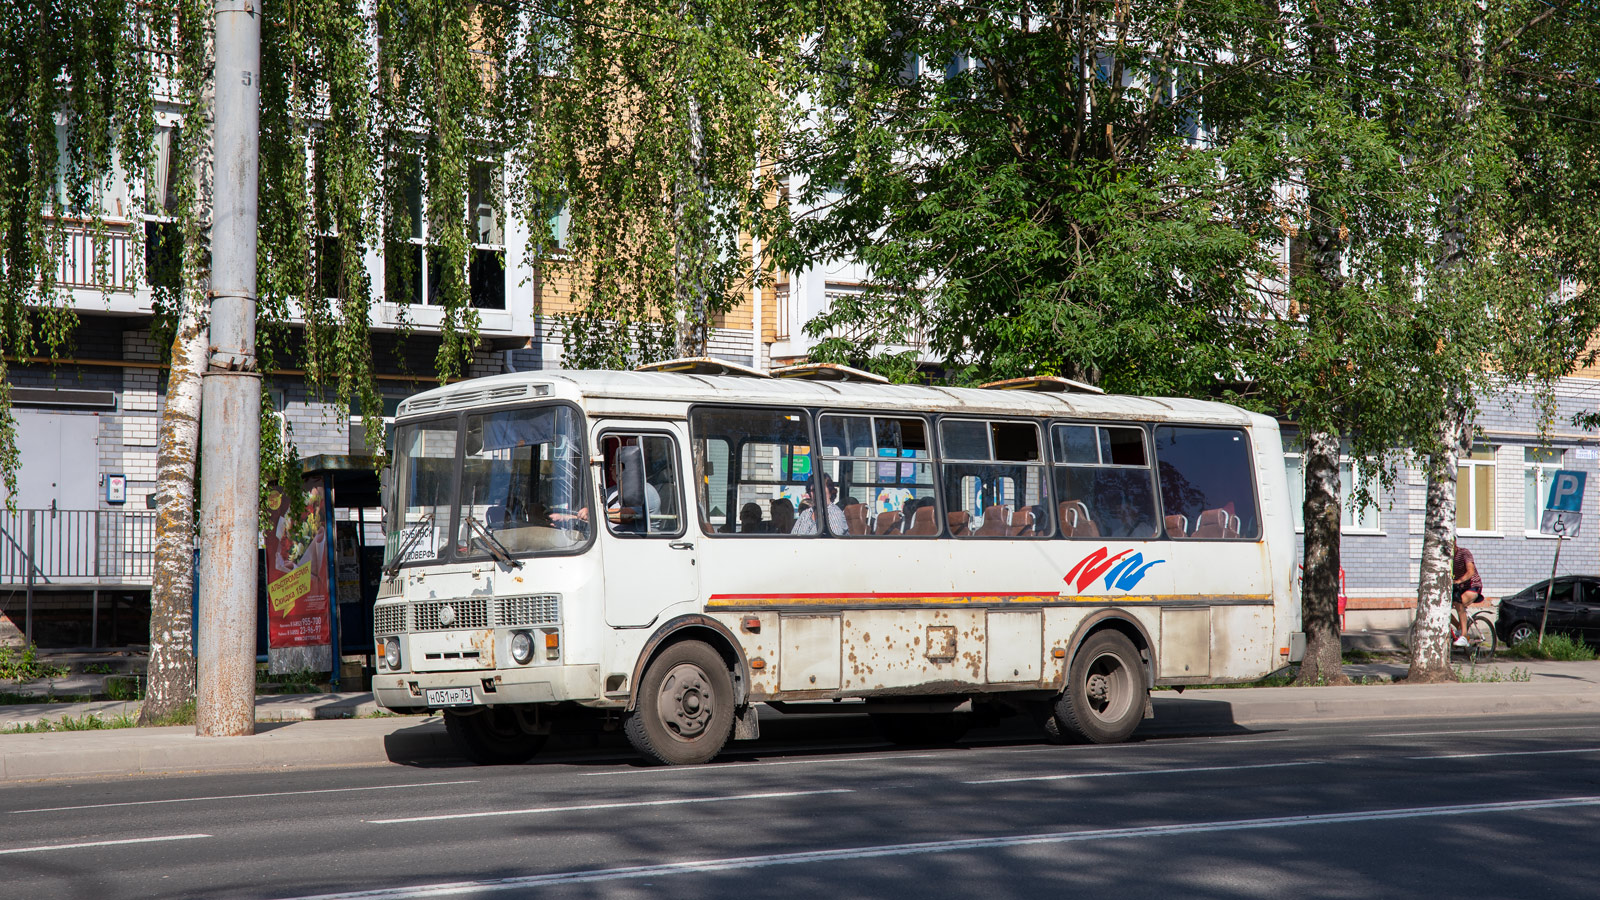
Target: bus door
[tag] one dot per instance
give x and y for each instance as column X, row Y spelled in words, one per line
column 649, row 555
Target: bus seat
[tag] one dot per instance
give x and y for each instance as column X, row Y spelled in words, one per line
column 1076, row 521
column 1213, row 523
column 888, row 522
column 960, row 522
column 996, row 521
column 922, row 522
column 1178, row 526
column 1234, row 527
column 855, row 518
column 1022, row 523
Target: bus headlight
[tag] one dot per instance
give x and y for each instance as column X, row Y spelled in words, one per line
column 521, row 647
column 391, row 653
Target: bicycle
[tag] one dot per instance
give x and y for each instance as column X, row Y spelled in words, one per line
column 1482, row 642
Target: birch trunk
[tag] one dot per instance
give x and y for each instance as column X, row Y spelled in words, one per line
column 171, row 668
column 1319, row 586
column 1430, row 631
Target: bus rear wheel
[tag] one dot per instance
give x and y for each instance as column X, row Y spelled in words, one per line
column 492, row 736
column 684, row 712
column 1106, row 691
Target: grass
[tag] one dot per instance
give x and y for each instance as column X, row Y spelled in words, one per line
column 1492, row 675
column 1560, row 647
column 98, row 669
column 25, row 666
column 89, row 722
column 183, row 715
column 127, row 687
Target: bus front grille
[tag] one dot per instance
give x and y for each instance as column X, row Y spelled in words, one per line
column 390, row 619
column 544, row 609
column 467, row 612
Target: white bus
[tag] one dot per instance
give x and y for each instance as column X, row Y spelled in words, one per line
column 662, row 552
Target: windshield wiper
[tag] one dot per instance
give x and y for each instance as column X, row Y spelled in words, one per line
column 496, row 549
column 411, row 540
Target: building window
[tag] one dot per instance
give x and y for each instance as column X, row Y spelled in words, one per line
column 412, row 267
column 1352, row 518
column 1538, row 465
column 1475, row 492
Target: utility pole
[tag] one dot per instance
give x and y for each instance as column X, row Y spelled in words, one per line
column 231, row 398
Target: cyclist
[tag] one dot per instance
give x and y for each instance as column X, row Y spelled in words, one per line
column 1466, row 589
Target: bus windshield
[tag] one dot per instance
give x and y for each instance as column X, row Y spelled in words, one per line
column 519, row 487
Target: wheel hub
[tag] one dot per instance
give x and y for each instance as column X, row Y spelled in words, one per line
column 686, row 701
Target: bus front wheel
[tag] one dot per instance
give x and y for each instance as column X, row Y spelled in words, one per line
column 492, row 736
column 684, row 712
column 1106, row 691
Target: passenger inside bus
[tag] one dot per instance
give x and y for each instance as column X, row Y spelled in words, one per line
column 750, row 520
column 807, row 522
column 782, row 516
column 632, row 499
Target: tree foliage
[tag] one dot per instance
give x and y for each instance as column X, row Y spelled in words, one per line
column 643, row 123
column 76, row 113
column 1041, row 188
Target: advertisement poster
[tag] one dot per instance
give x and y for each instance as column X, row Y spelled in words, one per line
column 297, row 583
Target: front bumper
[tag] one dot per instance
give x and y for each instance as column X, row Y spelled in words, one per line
column 535, row 684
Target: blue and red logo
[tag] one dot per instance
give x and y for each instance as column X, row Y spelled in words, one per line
column 1122, row 572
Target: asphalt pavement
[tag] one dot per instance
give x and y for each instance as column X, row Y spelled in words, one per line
column 1496, row 807
column 348, row 729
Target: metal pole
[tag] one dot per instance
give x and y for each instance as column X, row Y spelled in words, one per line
column 27, row 621
column 231, row 395
column 1561, row 536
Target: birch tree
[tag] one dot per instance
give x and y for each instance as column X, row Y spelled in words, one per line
column 170, row 670
column 1514, row 265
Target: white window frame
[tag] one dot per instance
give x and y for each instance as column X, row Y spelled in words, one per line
column 1541, row 487
column 1351, row 520
column 1465, row 492
column 422, row 237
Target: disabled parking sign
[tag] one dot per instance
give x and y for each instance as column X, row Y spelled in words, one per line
column 1563, row 511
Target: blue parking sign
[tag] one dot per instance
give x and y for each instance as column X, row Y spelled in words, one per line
column 1566, row 491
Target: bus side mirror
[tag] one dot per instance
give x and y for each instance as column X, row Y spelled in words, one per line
column 385, row 486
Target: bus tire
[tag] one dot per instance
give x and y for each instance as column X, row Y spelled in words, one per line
column 921, row 729
column 492, row 736
column 1106, row 691
column 684, row 713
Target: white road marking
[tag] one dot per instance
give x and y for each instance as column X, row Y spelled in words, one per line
column 592, row 806
column 380, row 787
column 144, row 840
column 1487, row 731
column 1252, row 740
column 452, row 889
column 718, row 767
column 1510, row 753
column 1139, row 772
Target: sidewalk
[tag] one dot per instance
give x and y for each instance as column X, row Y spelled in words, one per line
column 328, row 729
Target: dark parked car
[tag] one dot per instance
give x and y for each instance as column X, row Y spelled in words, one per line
column 1574, row 610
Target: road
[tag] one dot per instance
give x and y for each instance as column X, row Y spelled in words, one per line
column 1498, row 807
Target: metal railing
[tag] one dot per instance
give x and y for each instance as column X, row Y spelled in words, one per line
column 93, row 260
column 75, row 548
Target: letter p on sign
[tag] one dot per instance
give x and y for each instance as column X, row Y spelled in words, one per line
column 1566, row 491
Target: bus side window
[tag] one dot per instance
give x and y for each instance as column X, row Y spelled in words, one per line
column 1102, row 481
column 1207, row 481
column 881, row 468
column 642, row 491
column 994, row 480
column 756, row 466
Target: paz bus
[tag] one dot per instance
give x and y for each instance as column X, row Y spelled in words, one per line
column 662, row 551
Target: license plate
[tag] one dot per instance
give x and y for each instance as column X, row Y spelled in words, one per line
column 450, row 696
